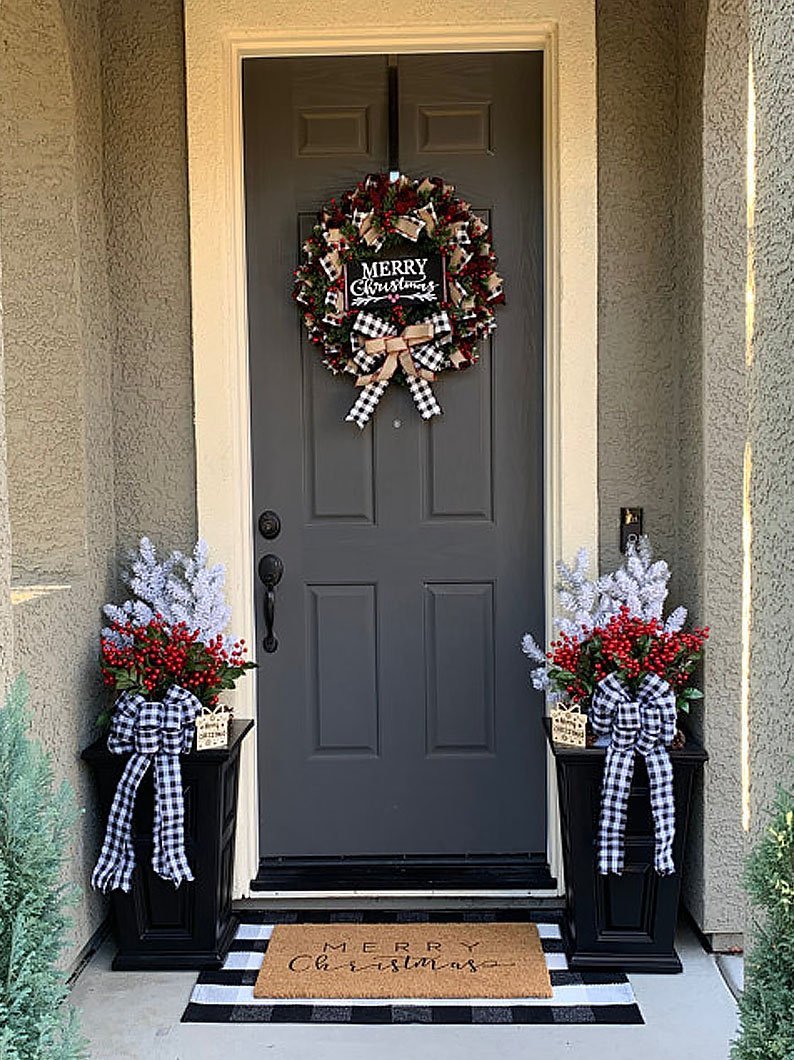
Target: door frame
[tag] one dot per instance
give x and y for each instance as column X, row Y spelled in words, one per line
column 217, row 40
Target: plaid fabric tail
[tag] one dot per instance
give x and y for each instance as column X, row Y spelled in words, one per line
column 660, row 774
column 618, row 774
column 146, row 731
column 642, row 725
column 424, row 398
column 117, row 858
column 168, row 858
column 366, row 403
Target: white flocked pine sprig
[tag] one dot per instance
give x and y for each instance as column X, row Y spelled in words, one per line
column 640, row 584
column 179, row 588
column 196, row 593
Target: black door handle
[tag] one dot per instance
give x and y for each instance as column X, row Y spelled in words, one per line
column 270, row 570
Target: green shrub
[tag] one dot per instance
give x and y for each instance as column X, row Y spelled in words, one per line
column 766, row 1009
column 35, row 822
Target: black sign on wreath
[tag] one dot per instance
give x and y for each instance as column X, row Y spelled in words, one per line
column 419, row 278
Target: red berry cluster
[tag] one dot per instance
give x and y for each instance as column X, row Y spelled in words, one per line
column 149, row 659
column 628, row 646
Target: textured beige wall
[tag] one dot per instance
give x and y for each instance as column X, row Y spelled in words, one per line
column 42, row 296
column 55, row 139
column 6, row 620
column 672, row 407
column 638, row 369
column 712, row 272
column 771, row 425
column 145, row 183
column 98, row 377
column 98, row 340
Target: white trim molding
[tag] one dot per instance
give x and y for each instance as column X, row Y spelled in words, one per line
column 218, row 37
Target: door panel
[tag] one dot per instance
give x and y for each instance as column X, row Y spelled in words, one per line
column 396, row 719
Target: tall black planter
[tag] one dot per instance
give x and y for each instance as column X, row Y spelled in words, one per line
column 157, row 925
column 625, row 921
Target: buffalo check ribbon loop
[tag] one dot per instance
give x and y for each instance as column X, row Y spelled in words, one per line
column 379, row 349
column 150, row 733
column 644, row 724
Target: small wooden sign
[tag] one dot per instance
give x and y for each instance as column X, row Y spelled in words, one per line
column 212, row 730
column 569, row 726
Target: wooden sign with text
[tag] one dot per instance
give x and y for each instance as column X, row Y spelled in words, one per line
column 212, row 730
column 569, row 726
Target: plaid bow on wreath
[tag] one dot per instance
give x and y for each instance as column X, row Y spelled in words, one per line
column 148, row 732
column 380, row 349
column 644, row 723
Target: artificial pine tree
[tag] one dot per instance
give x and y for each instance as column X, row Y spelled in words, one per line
column 766, row 1009
column 35, row 822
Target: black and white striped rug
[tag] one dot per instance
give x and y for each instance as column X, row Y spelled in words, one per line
column 227, row 995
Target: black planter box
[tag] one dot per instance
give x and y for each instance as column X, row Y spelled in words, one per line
column 625, row 921
column 158, row 925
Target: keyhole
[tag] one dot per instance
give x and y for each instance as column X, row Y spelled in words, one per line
column 397, row 424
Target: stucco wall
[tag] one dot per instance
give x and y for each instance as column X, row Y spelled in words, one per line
column 6, row 620
column 638, row 365
column 97, row 334
column 145, row 181
column 771, row 424
column 42, row 296
column 712, row 269
column 672, row 405
column 51, row 146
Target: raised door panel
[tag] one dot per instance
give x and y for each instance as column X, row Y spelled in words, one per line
column 459, row 654
column 457, row 448
column 338, row 465
column 342, row 670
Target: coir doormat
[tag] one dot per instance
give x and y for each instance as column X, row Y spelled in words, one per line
column 351, row 961
column 227, row 995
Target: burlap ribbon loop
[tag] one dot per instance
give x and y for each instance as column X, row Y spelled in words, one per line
column 150, row 732
column 398, row 349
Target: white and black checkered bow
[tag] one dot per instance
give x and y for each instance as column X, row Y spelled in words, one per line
column 148, row 732
column 645, row 724
column 419, row 359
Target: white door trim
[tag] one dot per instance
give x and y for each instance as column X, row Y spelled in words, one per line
column 218, row 38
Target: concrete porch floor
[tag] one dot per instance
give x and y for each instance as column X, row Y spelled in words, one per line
column 132, row 1015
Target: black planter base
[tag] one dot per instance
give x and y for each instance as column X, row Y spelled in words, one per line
column 628, row 921
column 658, row 965
column 158, row 926
column 162, row 961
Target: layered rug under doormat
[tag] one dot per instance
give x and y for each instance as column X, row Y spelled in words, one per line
column 229, row 995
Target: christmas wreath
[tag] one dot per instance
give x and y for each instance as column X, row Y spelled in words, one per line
column 398, row 282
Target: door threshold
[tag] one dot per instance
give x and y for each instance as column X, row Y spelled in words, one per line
column 520, row 874
column 497, row 894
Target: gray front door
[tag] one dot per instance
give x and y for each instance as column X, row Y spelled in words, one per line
column 396, row 726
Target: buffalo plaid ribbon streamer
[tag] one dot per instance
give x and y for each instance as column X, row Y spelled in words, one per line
column 430, row 357
column 157, row 732
column 645, row 725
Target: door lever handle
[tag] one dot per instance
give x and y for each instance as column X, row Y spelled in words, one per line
column 271, row 569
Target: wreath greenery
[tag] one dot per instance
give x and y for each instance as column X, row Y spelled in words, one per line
column 381, row 215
